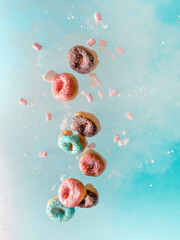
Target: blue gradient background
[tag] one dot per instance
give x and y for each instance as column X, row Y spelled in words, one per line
column 143, row 202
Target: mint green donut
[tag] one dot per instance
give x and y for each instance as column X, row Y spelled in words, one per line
column 57, row 212
column 65, row 141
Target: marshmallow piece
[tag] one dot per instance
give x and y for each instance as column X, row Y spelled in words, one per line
column 49, row 75
column 43, row 154
column 123, row 142
column 102, row 43
column 89, row 97
column 23, row 101
column 97, row 17
column 101, row 94
column 94, row 81
column 129, row 116
column 37, row 46
column 91, row 42
column 116, row 138
column 48, row 116
column 119, row 50
column 91, row 146
column 113, row 92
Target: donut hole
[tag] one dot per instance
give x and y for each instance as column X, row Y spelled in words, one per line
column 80, row 58
column 66, row 192
column 70, row 147
column 59, row 86
column 58, row 211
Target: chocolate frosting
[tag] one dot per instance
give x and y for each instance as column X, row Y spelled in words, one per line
column 84, row 126
column 80, row 59
column 90, row 200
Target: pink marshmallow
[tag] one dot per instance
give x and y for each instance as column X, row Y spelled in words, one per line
column 102, row 43
column 129, row 116
column 113, row 92
column 43, row 154
column 89, row 97
column 91, row 42
column 37, row 46
column 101, row 94
column 23, row 101
column 119, row 50
column 116, row 138
column 97, row 17
column 48, row 116
column 91, row 146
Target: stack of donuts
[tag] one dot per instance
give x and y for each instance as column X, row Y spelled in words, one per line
column 72, row 193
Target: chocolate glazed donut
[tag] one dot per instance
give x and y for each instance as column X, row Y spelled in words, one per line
column 84, row 126
column 81, row 60
column 91, row 198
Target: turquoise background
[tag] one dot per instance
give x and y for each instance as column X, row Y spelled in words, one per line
column 143, row 201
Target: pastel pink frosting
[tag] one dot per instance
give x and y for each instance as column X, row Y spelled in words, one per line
column 71, row 192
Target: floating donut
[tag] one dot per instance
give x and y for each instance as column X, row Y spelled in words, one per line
column 92, row 163
column 86, row 124
column 71, row 192
column 82, row 59
column 73, row 144
column 57, row 212
column 65, row 87
column 91, row 198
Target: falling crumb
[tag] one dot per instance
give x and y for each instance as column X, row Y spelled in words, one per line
column 113, row 56
column 172, row 151
column 62, row 177
column 100, row 48
column 83, row 92
column 25, row 154
column 124, row 132
column 64, row 124
column 101, row 94
column 119, row 95
column 150, row 185
column 108, row 151
column 105, row 26
column 77, row 158
column 152, row 161
column 53, row 187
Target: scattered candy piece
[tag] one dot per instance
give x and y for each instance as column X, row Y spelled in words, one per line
column 97, row 17
column 64, row 124
column 101, row 94
column 129, row 116
column 123, row 142
column 100, row 48
column 89, row 97
column 91, row 42
column 48, row 116
column 102, row 43
column 43, row 154
column 37, row 46
column 116, row 138
column 119, row 50
column 113, row 92
column 124, row 132
column 53, row 187
column 49, row 75
column 91, row 146
column 23, row 101
column 94, row 81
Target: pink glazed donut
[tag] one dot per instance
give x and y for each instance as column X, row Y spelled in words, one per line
column 71, row 192
column 92, row 163
column 65, row 87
